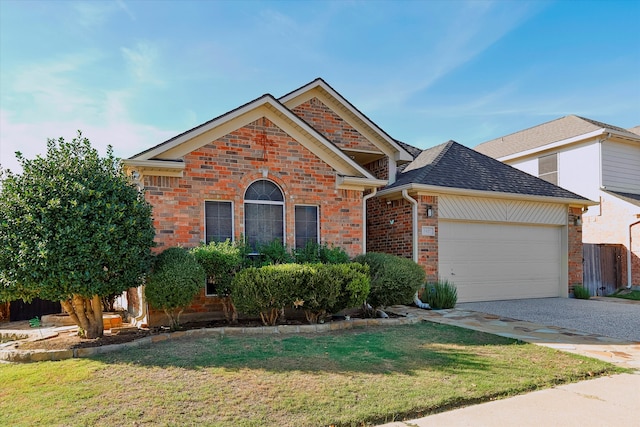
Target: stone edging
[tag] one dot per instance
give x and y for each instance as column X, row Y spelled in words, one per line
column 26, row 356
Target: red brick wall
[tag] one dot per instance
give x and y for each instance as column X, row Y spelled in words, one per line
column 389, row 227
column 332, row 126
column 397, row 238
column 428, row 245
column 574, row 236
column 223, row 169
column 379, row 168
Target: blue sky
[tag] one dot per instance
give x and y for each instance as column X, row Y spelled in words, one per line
column 133, row 73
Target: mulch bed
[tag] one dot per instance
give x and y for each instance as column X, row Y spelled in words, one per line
column 71, row 340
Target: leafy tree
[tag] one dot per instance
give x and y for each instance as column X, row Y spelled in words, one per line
column 74, row 229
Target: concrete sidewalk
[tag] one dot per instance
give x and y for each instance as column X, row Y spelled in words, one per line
column 604, row 401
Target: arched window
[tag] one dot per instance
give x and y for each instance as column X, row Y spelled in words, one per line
column 263, row 213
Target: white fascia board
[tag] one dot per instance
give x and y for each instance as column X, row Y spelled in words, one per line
column 432, row 189
column 199, row 130
column 155, row 167
column 553, row 145
column 353, row 182
column 253, row 110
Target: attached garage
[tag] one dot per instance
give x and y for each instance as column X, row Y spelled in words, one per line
column 501, row 261
column 495, row 249
column 492, row 230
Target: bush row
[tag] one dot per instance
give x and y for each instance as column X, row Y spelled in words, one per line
column 317, row 279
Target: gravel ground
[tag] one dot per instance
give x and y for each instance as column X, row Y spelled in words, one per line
column 600, row 316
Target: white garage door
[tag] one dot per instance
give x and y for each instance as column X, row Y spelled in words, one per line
column 500, row 261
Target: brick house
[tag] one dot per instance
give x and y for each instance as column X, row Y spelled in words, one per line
column 310, row 166
column 601, row 162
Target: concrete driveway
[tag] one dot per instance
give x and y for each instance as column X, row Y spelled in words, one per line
column 610, row 317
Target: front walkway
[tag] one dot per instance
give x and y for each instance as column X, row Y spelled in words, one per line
column 619, row 352
column 599, row 402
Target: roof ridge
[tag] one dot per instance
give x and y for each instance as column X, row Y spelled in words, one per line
column 603, row 124
column 526, row 129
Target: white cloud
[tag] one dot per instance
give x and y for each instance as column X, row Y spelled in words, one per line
column 142, row 62
column 126, row 138
column 92, row 14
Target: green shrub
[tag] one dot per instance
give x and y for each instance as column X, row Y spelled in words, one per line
column 220, row 260
column 274, row 253
column 333, row 255
column 440, row 294
column 331, row 288
column 394, row 280
column 580, row 292
column 266, row 290
column 174, row 282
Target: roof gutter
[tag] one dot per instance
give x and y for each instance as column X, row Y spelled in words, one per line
column 414, row 222
column 629, row 275
column 364, row 218
column 414, row 228
column 434, row 189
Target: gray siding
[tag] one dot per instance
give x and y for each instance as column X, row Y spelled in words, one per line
column 621, row 167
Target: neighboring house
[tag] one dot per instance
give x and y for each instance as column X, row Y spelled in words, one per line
column 309, row 166
column 600, row 162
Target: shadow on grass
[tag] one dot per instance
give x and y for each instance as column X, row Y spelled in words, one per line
column 399, row 349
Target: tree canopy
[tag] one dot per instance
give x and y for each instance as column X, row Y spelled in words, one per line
column 72, row 227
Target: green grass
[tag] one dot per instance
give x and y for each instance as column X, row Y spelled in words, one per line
column 632, row 295
column 347, row 378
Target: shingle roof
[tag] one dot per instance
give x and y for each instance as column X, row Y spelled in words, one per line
column 543, row 134
column 635, row 129
column 414, row 151
column 456, row 166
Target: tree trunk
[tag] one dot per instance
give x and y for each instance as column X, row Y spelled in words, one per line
column 86, row 313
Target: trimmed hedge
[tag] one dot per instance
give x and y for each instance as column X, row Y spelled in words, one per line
column 175, row 280
column 316, row 288
column 394, row 280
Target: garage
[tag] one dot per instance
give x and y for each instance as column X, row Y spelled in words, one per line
column 495, row 261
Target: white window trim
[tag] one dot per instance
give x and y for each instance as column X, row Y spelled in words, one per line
column 267, row 202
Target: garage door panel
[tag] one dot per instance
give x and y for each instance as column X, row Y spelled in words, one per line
column 500, row 261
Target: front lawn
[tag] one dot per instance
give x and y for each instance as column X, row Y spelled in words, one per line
column 347, row 378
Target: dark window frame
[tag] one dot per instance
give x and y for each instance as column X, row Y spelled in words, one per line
column 206, row 222
column 297, row 243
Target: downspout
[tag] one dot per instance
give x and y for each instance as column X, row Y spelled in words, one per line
column 364, row 218
column 629, row 275
column 414, row 223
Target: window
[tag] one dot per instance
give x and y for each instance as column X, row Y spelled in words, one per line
column 263, row 213
column 306, row 225
column 548, row 168
column 218, row 221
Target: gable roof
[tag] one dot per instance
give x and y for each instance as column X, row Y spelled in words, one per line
column 452, row 167
column 349, row 113
column 169, row 154
column 565, row 128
